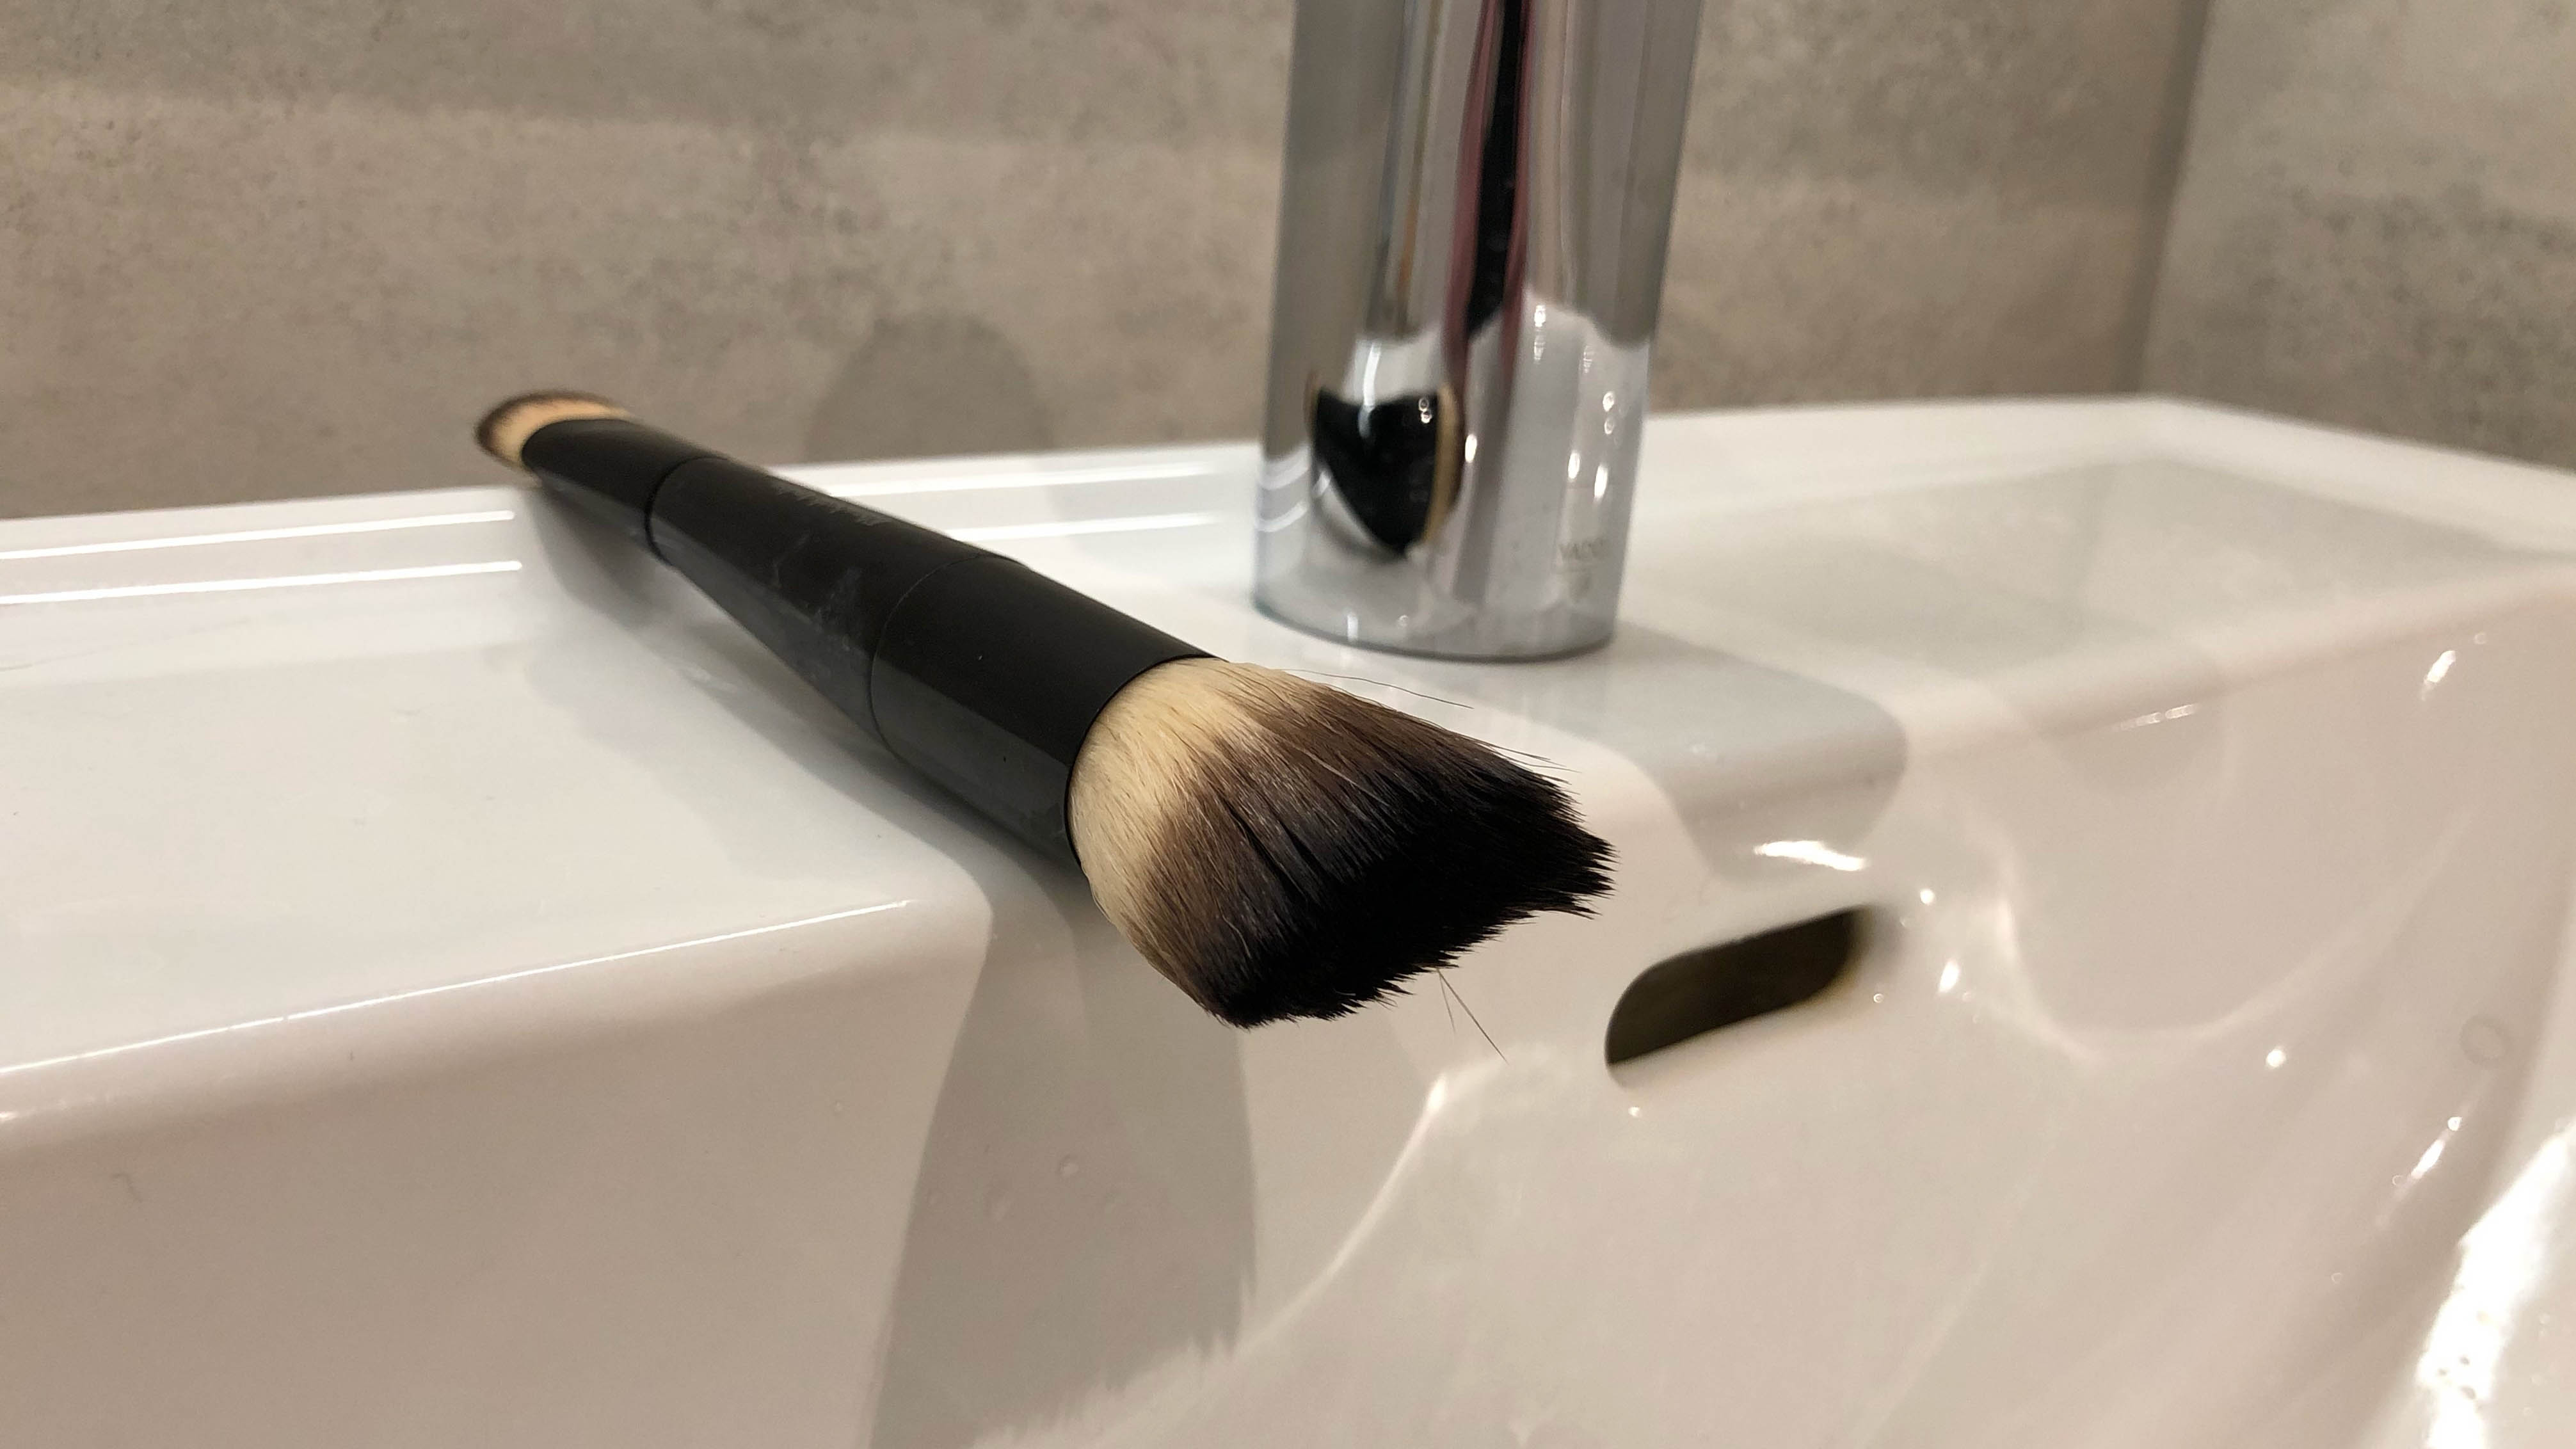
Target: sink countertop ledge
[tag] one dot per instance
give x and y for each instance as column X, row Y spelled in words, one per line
column 312, row 797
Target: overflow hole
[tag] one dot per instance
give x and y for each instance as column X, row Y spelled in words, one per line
column 1699, row 991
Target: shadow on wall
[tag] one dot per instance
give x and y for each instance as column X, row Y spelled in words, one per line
column 926, row 385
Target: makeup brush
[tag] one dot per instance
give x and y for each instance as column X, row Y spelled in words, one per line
column 1276, row 847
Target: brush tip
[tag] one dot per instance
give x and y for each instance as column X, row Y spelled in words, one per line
column 505, row 430
column 1280, row 849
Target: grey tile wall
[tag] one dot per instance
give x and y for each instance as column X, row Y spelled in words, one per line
column 2377, row 221
column 282, row 247
column 1936, row 198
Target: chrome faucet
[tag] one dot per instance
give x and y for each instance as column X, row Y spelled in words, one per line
column 1471, row 254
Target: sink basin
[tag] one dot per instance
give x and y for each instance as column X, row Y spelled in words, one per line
column 454, row 988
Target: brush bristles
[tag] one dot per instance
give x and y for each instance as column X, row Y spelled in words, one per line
column 506, row 429
column 1279, row 848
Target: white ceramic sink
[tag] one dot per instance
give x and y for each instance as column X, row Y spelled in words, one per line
column 454, row 989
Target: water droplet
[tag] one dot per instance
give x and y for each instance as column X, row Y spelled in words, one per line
column 2485, row 1041
column 1068, row 1167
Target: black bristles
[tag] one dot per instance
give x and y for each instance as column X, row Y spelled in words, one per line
column 1352, row 848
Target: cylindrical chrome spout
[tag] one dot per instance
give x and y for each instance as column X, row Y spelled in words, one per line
column 1471, row 252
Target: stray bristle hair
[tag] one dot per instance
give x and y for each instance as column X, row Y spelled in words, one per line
column 505, row 429
column 1280, row 848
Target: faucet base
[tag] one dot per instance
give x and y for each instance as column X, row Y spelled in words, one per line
column 1482, row 637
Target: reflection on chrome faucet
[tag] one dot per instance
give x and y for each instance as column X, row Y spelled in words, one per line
column 1477, row 198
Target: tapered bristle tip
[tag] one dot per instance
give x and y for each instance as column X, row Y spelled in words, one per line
column 1307, row 852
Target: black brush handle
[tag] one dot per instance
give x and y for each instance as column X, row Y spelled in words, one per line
column 972, row 668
